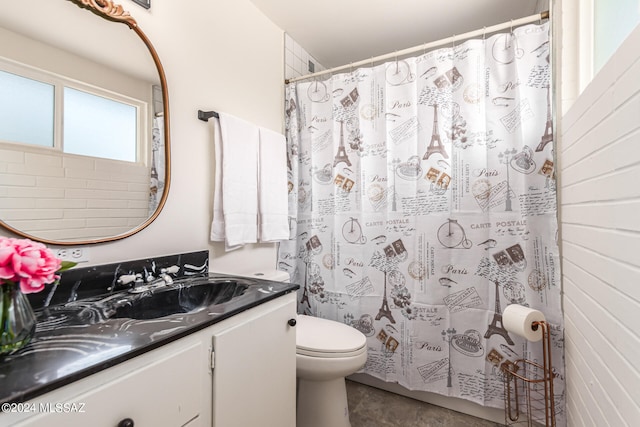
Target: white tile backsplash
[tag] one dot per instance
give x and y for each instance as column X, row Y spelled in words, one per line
column 66, row 188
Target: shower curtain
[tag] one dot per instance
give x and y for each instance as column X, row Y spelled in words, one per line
column 423, row 202
column 157, row 169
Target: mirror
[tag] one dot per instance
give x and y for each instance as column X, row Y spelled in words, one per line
column 50, row 193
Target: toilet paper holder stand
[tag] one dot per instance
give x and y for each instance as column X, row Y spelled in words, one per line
column 528, row 387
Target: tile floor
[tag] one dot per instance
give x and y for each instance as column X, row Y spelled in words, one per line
column 372, row 407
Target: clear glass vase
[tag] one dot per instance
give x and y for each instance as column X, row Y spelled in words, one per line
column 17, row 320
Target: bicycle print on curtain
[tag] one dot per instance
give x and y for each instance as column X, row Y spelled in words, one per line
column 423, row 202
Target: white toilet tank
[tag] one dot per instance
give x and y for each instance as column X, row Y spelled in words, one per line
column 273, row 275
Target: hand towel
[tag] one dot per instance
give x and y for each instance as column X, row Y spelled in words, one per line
column 273, row 220
column 240, row 141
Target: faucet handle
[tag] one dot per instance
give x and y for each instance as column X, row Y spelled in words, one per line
column 170, row 270
column 125, row 279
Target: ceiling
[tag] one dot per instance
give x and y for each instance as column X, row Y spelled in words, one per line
column 338, row 32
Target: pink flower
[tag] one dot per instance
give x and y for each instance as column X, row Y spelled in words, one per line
column 28, row 263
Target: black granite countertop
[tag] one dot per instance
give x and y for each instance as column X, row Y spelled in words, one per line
column 79, row 338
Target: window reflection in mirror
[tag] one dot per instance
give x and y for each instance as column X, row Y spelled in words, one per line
column 26, row 110
column 92, row 125
column 110, row 125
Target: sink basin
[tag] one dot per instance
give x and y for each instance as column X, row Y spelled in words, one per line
column 184, row 297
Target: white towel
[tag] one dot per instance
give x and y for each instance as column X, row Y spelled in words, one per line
column 272, row 187
column 217, row 225
column 239, row 141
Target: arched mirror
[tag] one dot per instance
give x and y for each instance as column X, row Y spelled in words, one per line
column 84, row 122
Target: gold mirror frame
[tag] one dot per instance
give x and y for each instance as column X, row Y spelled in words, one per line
column 111, row 11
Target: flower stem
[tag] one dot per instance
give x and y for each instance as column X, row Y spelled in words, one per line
column 7, row 334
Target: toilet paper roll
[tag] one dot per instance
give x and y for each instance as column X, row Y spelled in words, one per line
column 519, row 320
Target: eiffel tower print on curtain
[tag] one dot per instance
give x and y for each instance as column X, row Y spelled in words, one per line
column 385, row 311
column 341, row 156
column 496, row 328
column 436, row 143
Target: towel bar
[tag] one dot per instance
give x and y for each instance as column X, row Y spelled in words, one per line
column 206, row 115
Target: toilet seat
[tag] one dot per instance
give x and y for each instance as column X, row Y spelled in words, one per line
column 317, row 337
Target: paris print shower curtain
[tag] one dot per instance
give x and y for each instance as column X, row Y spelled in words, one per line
column 423, row 202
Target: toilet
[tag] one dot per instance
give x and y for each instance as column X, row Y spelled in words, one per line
column 326, row 352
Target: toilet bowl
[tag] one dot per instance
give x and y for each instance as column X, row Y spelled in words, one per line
column 326, row 352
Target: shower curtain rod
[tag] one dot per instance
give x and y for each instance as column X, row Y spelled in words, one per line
column 453, row 39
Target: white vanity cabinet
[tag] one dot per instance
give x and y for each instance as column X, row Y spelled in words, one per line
column 164, row 387
column 254, row 375
column 238, row 372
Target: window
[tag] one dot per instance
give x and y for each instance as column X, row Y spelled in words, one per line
column 47, row 110
column 613, row 21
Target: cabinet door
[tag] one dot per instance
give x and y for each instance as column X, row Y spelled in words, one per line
column 165, row 391
column 254, row 378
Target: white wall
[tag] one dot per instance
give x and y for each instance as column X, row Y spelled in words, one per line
column 217, row 55
column 599, row 156
column 222, row 56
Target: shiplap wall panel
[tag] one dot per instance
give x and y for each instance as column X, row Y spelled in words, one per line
column 596, row 402
column 620, row 154
column 624, row 277
column 614, row 342
column 609, row 394
column 612, row 243
column 624, row 213
column 599, row 157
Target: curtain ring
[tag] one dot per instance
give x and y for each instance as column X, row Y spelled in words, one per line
column 512, row 27
column 484, row 33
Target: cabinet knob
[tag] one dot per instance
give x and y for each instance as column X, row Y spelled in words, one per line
column 127, row 422
column 292, row 322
